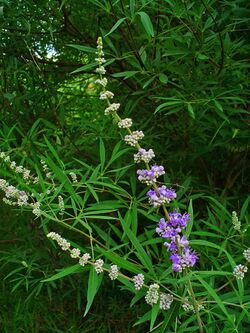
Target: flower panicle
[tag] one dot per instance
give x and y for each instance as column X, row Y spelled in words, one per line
column 181, row 254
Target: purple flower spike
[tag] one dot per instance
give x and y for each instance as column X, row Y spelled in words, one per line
column 172, row 247
column 165, row 196
column 190, row 257
column 184, row 242
column 181, row 254
column 176, row 219
column 176, row 260
column 150, row 176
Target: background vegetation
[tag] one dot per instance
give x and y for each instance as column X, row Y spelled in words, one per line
column 179, row 69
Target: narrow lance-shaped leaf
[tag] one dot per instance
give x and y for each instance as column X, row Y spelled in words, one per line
column 147, row 24
column 93, row 286
column 119, row 22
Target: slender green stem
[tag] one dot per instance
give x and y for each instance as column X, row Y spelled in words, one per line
column 190, row 288
column 65, row 225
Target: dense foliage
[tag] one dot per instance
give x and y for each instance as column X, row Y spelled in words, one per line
column 179, row 69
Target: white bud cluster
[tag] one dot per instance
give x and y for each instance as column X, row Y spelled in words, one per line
column 35, row 180
column 65, row 245
column 239, row 271
column 100, row 60
column 36, row 209
column 103, row 82
column 125, row 123
column 13, row 196
column 100, row 57
column 138, row 281
column 187, row 306
column 106, row 95
column 19, row 169
column 152, row 295
column 61, row 205
column 165, row 301
column 73, row 177
column 113, row 274
column 100, row 70
column 111, row 108
column 75, row 253
column 98, row 265
column 83, row 260
column 99, row 47
column 132, row 139
column 46, row 169
column 246, row 254
column 144, row 155
column 235, row 221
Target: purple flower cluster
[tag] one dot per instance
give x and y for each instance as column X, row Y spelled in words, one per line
column 181, row 254
column 150, row 176
column 161, row 196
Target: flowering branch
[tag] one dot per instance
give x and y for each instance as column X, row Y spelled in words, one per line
column 171, row 227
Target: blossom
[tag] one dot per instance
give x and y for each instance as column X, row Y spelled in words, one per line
column 22, row 198
column 35, row 180
column 63, row 243
column 103, row 82
column 161, row 196
column 132, row 139
column 111, row 108
column 100, row 60
column 106, row 95
column 187, row 306
column 152, row 295
column 235, row 221
column 181, row 254
column 150, row 176
column 98, row 265
column 2, row 154
column 36, row 209
column 239, row 271
column 125, row 123
column 84, row 259
column 178, row 220
column 73, row 177
column 100, row 70
column 13, row 196
column 165, row 301
column 61, row 204
column 3, row 184
column 138, row 281
column 75, row 253
column 113, row 274
column 246, row 254
column 144, row 155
